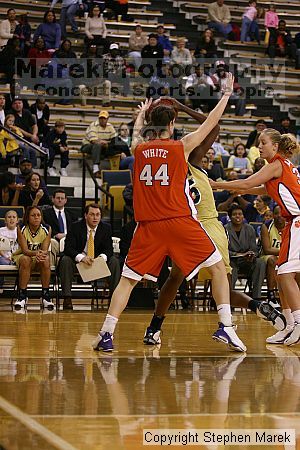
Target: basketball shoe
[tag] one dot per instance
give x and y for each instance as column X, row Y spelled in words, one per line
column 267, row 312
column 228, row 336
column 294, row 337
column 21, row 302
column 103, row 342
column 280, row 336
column 152, row 337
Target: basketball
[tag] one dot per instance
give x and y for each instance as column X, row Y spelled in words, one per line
column 160, row 102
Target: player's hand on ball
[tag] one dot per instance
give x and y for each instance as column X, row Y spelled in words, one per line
column 144, row 106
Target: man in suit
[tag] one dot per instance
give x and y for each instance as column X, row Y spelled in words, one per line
column 59, row 220
column 87, row 239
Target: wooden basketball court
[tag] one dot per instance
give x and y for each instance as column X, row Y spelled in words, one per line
column 57, row 393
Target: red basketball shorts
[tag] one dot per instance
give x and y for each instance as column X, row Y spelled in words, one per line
column 183, row 239
column 289, row 253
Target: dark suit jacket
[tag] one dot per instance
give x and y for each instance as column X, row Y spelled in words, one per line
column 244, row 243
column 51, row 219
column 77, row 237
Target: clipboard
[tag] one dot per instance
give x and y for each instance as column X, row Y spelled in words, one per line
column 98, row 269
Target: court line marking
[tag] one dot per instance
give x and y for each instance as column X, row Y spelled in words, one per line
column 115, row 355
column 95, row 416
column 35, row 426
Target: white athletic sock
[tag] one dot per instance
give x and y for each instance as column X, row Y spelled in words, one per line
column 296, row 315
column 109, row 324
column 289, row 317
column 224, row 312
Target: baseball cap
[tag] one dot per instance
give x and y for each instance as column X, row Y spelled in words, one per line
column 114, row 46
column 220, row 63
column 104, row 114
column 25, row 160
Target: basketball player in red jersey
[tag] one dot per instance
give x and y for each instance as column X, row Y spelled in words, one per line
column 165, row 214
column 281, row 180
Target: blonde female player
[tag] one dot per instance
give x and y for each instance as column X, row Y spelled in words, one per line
column 281, row 180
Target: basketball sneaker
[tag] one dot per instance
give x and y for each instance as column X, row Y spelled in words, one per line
column 267, row 312
column 46, row 302
column 280, row 336
column 21, row 302
column 103, row 342
column 294, row 337
column 228, row 336
column 152, row 337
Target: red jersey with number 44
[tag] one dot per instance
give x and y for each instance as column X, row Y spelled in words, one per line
column 285, row 190
column 160, row 186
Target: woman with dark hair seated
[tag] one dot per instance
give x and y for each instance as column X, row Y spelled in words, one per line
column 49, row 30
column 206, row 46
column 9, row 190
column 33, row 194
column 39, row 55
column 8, row 58
column 95, row 30
column 34, row 240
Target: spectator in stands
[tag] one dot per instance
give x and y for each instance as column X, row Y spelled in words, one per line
column 23, row 33
column 254, row 152
column 8, row 27
column 114, row 71
column 9, row 232
column 50, row 31
column 27, row 124
column 95, row 29
column 164, row 41
column 41, row 111
column 87, row 239
column 8, row 58
column 219, row 17
column 97, row 137
column 132, row 122
column 254, row 212
column 137, row 41
column 65, row 50
column 218, row 148
column 33, row 193
column 56, row 142
column 128, row 199
column 260, row 126
column 206, row 46
column 119, row 9
column 258, row 164
column 8, row 144
column 198, row 89
column 14, row 91
column 59, row 219
column 68, row 12
column 281, row 42
column 25, row 169
column 164, row 83
column 9, row 190
column 285, row 126
column 39, row 55
column 239, row 161
column 243, row 251
column 121, row 145
column 270, row 243
column 237, row 97
column 181, row 55
column 152, row 56
column 249, row 24
column 2, row 109
column 271, row 21
column 215, row 170
column 34, row 239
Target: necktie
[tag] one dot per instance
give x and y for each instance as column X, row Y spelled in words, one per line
column 90, row 246
column 61, row 226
